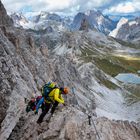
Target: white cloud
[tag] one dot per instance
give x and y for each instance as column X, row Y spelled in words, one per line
column 58, row 5
column 72, row 6
column 127, row 7
column 53, row 5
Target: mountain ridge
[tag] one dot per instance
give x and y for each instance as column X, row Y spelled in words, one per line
column 95, row 19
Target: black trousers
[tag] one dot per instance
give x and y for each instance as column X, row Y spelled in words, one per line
column 45, row 109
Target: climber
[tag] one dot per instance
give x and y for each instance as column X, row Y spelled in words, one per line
column 53, row 99
column 31, row 106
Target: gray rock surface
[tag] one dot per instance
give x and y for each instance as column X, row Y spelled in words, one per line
column 70, row 123
column 4, row 18
column 25, row 68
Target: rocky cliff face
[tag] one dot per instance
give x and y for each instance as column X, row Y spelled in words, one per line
column 95, row 20
column 72, row 124
column 25, row 67
column 4, row 18
column 127, row 30
column 84, row 25
column 29, row 59
column 19, row 20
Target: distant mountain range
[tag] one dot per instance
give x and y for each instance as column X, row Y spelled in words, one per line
column 41, row 21
column 130, row 16
column 92, row 19
column 118, row 17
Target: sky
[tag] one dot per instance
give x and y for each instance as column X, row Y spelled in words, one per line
column 71, row 7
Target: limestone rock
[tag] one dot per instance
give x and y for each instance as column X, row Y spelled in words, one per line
column 5, row 20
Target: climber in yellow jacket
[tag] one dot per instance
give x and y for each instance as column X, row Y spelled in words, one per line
column 55, row 97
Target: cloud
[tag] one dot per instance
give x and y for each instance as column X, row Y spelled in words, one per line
column 71, row 6
column 37, row 5
column 127, row 7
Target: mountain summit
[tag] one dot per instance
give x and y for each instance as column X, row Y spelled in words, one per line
column 95, row 20
column 128, row 30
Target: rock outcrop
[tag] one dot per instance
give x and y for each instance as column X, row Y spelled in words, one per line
column 127, row 30
column 72, row 124
column 84, row 25
column 4, row 18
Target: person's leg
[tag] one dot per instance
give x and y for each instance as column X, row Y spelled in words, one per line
column 43, row 107
column 45, row 111
column 54, row 107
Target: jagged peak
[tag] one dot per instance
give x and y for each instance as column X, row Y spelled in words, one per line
column 122, row 21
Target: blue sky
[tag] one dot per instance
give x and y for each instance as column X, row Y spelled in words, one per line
column 71, row 7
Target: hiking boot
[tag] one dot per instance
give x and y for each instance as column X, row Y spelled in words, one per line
column 39, row 122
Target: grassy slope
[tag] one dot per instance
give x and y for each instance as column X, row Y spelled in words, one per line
column 111, row 64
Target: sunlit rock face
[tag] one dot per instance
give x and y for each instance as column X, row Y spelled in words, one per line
column 127, row 30
column 94, row 20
